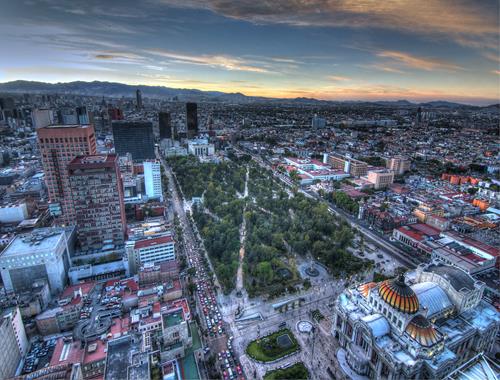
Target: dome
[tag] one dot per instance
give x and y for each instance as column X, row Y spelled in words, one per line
column 421, row 330
column 364, row 289
column 399, row 295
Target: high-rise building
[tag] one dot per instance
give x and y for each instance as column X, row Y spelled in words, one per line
column 97, row 196
column 59, row 144
column 165, row 126
column 399, row 164
column 318, row 122
column 115, row 114
column 134, row 137
column 14, row 342
column 41, row 118
column 152, row 179
column 42, row 254
column 82, row 115
column 381, row 178
column 138, row 99
column 191, row 120
column 348, row 164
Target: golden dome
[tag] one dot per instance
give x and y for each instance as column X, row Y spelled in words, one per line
column 364, row 289
column 421, row 330
column 399, row 295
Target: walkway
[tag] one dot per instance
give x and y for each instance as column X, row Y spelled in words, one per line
column 243, row 230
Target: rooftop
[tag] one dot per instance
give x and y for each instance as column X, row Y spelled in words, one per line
column 37, row 241
column 172, row 318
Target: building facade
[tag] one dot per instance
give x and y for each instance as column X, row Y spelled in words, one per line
column 191, row 120
column 381, row 179
column 349, row 165
column 154, row 250
column 399, row 165
column 393, row 330
column 42, row 254
column 97, row 195
column 152, row 180
column 134, row 137
column 59, row 144
column 14, row 343
column 164, row 123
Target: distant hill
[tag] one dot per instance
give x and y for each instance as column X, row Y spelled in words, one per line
column 117, row 90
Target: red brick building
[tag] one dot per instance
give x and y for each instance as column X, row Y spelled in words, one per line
column 97, row 196
column 59, row 144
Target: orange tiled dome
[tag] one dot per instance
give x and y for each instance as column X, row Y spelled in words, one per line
column 421, row 330
column 364, row 289
column 399, row 295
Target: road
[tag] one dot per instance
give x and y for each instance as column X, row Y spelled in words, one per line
column 207, row 286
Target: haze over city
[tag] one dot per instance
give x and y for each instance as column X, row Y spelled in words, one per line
column 335, row 50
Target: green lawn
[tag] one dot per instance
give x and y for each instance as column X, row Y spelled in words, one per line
column 269, row 348
column 296, row 372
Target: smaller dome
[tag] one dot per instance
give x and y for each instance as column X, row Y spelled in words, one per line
column 364, row 289
column 421, row 330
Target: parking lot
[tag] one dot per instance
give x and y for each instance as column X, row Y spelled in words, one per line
column 39, row 356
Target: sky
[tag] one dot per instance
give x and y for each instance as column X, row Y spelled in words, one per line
column 326, row 49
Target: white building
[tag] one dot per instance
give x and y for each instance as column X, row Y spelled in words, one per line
column 149, row 250
column 42, row 118
column 200, row 147
column 41, row 254
column 13, row 213
column 14, row 342
column 152, row 179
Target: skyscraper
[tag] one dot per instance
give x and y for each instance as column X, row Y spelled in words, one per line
column 164, row 124
column 82, row 115
column 134, row 137
column 191, row 120
column 138, row 98
column 152, row 179
column 59, row 144
column 97, row 195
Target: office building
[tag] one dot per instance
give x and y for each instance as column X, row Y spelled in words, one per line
column 134, row 137
column 191, row 120
column 83, row 117
column 156, row 249
column 399, row 165
column 425, row 330
column 59, row 144
column 381, row 178
column 41, row 118
column 165, row 125
column 138, row 99
column 318, row 122
column 14, row 342
column 97, row 196
column 42, row 254
column 115, row 113
column 152, row 179
column 348, row 164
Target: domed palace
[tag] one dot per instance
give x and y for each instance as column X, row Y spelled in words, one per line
column 424, row 330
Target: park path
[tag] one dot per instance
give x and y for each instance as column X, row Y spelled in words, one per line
column 243, row 231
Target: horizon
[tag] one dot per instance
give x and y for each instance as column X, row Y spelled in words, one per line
column 342, row 51
column 484, row 103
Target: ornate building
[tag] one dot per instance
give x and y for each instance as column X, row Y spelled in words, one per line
column 393, row 330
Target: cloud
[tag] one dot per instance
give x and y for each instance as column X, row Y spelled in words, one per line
column 217, row 61
column 338, row 78
column 382, row 67
column 492, row 57
column 459, row 18
column 496, row 72
column 420, row 63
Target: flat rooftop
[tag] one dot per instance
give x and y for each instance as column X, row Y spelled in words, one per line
column 119, row 357
column 42, row 239
column 173, row 318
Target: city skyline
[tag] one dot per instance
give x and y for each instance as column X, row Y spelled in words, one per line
column 339, row 50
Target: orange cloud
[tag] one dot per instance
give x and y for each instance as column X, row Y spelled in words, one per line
column 421, row 63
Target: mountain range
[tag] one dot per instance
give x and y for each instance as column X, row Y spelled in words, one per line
column 113, row 89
